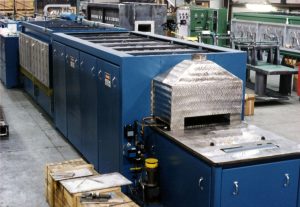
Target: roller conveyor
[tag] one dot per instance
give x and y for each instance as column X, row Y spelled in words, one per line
column 135, row 44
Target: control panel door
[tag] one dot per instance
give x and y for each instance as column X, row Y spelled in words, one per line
column 184, row 179
column 73, row 96
column 59, row 87
column 273, row 184
column 109, row 129
column 88, row 103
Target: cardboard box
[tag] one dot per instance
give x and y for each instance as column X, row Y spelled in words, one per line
column 249, row 104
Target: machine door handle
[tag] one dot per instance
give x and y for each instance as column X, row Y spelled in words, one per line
column 236, row 188
column 81, row 63
column 114, row 82
column 201, row 179
column 92, row 70
column 100, row 75
column 287, row 180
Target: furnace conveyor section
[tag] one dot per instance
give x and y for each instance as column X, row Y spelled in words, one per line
column 36, row 55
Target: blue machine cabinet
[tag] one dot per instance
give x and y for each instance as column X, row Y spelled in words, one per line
column 271, row 184
column 188, row 180
column 9, row 60
column 59, row 86
column 73, row 96
column 123, row 75
column 88, row 106
column 109, row 98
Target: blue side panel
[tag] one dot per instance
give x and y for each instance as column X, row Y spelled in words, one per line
column 28, row 86
column 274, row 184
column 73, row 97
column 236, row 66
column 44, row 101
column 89, row 106
column 184, row 179
column 9, row 61
column 59, row 88
column 216, row 187
column 109, row 100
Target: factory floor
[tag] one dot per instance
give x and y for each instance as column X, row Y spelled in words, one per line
column 33, row 142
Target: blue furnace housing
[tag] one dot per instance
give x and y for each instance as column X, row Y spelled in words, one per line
column 102, row 82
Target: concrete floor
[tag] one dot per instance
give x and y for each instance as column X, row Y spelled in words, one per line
column 33, row 142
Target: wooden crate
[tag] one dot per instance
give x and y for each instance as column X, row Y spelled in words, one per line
column 59, row 165
column 127, row 202
column 51, row 183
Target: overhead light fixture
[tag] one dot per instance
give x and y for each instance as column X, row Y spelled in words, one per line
column 260, row 7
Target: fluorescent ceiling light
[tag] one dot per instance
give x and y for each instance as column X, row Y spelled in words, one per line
column 260, row 7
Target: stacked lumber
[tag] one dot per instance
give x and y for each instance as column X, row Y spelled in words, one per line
column 24, row 8
column 7, row 6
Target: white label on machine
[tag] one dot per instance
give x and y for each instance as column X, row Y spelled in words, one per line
column 107, row 81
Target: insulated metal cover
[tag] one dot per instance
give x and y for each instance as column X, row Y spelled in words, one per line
column 196, row 89
column 34, row 57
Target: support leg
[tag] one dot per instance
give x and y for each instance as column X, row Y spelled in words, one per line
column 285, row 84
column 260, row 84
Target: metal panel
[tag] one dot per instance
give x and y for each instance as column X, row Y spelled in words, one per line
column 127, row 14
column 73, row 97
column 59, row 87
column 274, row 184
column 109, row 100
column 89, row 107
column 195, row 89
column 25, row 52
column 44, row 100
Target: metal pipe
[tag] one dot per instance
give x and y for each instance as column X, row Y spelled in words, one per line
column 95, row 24
column 54, row 6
